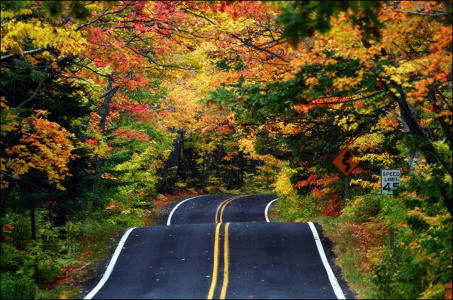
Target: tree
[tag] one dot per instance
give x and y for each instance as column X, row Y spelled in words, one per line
column 345, row 81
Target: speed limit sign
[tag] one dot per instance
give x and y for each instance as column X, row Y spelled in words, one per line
column 390, row 180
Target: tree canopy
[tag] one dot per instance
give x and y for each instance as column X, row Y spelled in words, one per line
column 107, row 106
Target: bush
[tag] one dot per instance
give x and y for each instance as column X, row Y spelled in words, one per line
column 362, row 208
column 418, row 262
column 369, row 206
column 297, row 208
column 48, row 271
column 17, row 286
column 419, row 266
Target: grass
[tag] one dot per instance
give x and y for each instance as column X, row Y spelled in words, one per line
column 349, row 256
column 275, row 214
column 65, row 292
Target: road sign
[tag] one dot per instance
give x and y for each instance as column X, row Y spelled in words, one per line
column 344, row 161
column 390, row 180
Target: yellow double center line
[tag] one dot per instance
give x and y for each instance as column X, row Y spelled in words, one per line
column 226, row 251
column 221, row 208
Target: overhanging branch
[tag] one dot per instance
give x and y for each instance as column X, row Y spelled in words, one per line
column 29, row 52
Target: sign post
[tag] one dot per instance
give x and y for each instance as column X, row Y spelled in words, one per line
column 390, row 180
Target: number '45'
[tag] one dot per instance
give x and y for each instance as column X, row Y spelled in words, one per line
column 388, row 188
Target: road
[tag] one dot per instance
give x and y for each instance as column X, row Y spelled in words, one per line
column 220, row 247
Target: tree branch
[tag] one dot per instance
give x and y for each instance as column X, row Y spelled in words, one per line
column 100, row 17
column 94, row 71
column 152, row 60
column 38, row 88
column 349, row 100
column 258, row 48
column 34, row 51
column 107, row 93
column 440, row 14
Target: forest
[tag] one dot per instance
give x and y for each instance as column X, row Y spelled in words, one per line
column 110, row 110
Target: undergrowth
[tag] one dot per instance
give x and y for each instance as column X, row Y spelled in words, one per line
column 56, row 264
column 387, row 247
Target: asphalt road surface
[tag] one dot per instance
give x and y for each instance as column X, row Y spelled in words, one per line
column 220, row 247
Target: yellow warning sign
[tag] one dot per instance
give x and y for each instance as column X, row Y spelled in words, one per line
column 344, row 161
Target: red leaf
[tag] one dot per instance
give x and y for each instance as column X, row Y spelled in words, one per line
column 301, row 184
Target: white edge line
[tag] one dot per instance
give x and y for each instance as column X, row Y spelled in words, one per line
column 174, row 209
column 267, row 209
column 333, row 280
column 112, row 263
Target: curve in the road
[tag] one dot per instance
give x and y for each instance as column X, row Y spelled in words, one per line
column 221, row 208
column 266, row 210
column 187, row 260
column 176, row 207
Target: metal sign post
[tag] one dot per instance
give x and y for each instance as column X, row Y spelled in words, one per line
column 390, row 180
column 345, row 164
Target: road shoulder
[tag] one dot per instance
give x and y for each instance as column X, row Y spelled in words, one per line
column 328, row 246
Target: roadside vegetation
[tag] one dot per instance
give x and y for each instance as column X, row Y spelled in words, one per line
column 386, row 247
column 110, row 110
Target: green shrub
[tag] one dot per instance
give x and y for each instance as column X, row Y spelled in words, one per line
column 17, row 286
column 21, row 234
column 294, row 207
column 48, row 271
column 368, row 206
column 398, row 275
column 419, row 265
column 363, row 207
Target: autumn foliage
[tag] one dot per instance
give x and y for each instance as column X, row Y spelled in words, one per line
column 107, row 106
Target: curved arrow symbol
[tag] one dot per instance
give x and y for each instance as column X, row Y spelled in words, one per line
column 346, row 156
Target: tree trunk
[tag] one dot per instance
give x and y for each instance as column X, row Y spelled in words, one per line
column 429, row 151
column 108, row 95
column 410, row 157
column 241, row 167
column 410, row 117
column 230, row 174
column 172, row 161
column 208, row 168
column 203, row 169
column 219, row 157
column 181, row 169
column 447, row 131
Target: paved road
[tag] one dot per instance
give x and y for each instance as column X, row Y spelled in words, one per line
column 220, row 247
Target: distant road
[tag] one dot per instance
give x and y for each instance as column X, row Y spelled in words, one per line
column 220, row 247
